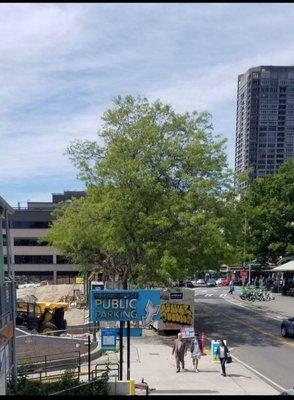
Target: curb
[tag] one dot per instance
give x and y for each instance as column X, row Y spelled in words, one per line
column 257, row 308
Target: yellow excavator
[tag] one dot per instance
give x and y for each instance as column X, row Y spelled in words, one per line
column 44, row 317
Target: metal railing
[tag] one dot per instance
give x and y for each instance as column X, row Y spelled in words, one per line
column 73, row 389
column 51, row 362
column 111, row 368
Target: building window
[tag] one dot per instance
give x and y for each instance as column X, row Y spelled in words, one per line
column 29, row 242
column 30, row 224
column 33, row 259
column 63, row 260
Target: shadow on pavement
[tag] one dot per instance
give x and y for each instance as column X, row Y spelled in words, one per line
column 238, row 326
column 238, row 376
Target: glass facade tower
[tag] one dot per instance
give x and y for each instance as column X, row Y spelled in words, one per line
column 265, row 120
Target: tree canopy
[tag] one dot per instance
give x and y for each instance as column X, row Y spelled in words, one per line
column 159, row 194
column 270, row 212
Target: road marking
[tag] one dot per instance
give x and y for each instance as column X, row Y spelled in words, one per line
column 258, row 373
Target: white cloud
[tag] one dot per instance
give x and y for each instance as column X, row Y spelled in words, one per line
column 61, row 65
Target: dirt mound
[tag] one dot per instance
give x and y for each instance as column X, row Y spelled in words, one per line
column 49, row 293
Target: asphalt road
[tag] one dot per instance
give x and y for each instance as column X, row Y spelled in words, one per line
column 254, row 338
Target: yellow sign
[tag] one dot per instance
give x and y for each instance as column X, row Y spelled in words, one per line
column 175, row 312
column 79, row 279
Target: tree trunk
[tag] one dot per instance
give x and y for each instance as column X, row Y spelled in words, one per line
column 125, row 279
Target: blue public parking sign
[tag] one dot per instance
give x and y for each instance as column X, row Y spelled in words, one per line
column 125, row 305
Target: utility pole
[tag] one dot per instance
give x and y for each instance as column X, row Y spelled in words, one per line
column 249, row 279
column 13, row 294
column 245, row 235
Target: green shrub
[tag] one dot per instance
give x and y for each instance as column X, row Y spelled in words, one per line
column 67, row 383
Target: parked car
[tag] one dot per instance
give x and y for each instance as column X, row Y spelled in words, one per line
column 211, row 282
column 223, row 282
column 178, row 284
column 287, row 327
column 189, row 284
column 200, row 282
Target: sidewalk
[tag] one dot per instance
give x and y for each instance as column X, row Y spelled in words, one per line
column 151, row 359
column 282, row 306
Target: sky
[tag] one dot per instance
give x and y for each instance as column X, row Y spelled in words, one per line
column 61, row 65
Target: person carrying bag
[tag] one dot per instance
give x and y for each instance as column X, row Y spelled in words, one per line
column 224, row 356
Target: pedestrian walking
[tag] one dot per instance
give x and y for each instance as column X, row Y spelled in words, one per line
column 195, row 353
column 179, row 351
column 231, row 287
column 222, row 353
column 255, row 282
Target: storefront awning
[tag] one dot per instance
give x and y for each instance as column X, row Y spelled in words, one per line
column 288, row 267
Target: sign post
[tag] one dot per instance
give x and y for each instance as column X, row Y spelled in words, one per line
column 89, row 358
column 121, row 350
column 125, row 306
column 128, row 350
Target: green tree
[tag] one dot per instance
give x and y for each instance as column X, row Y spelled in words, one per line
column 269, row 203
column 158, row 195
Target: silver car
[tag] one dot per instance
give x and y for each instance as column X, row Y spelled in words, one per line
column 211, row 282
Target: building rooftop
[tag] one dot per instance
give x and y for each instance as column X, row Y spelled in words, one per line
column 50, row 205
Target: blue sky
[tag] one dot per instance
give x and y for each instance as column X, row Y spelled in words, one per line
column 62, row 64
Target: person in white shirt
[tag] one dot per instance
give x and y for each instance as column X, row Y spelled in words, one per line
column 195, row 353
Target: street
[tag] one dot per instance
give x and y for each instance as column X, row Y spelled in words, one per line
column 253, row 336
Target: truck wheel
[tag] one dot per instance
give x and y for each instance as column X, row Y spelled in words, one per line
column 47, row 328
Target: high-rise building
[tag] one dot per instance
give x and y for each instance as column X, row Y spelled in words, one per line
column 265, row 120
column 32, row 259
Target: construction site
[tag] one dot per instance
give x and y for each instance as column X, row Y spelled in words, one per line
column 71, row 294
